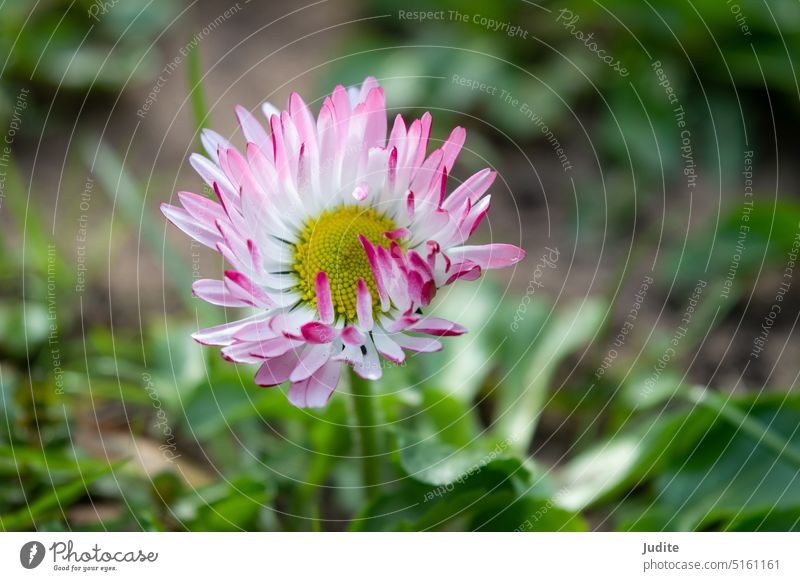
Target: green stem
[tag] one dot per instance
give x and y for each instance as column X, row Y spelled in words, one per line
column 364, row 404
column 746, row 422
column 196, row 94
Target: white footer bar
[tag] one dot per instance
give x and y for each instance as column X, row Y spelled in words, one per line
column 389, row 556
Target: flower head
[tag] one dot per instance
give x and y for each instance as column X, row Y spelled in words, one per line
column 336, row 236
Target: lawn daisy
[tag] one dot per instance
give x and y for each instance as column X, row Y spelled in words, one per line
column 336, row 236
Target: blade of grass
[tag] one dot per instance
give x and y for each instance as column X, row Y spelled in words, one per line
column 38, row 245
column 749, row 424
column 54, row 502
column 196, row 94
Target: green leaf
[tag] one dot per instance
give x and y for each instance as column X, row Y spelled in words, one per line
column 17, row 459
column 571, row 329
column 594, row 473
column 24, row 327
column 54, row 502
column 441, row 513
column 232, row 505
column 731, row 472
column 642, row 395
column 175, row 361
column 39, row 249
column 465, row 361
column 629, row 458
column 725, row 461
column 438, row 464
column 769, row 519
column 453, row 422
column 505, row 512
column 487, row 502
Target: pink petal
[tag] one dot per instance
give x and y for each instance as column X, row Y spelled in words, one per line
column 292, row 142
column 315, row 391
column 241, row 353
column 419, row 264
column 411, row 152
column 212, row 174
column 277, row 370
column 238, row 168
column 311, row 359
column 415, row 286
column 252, row 129
column 370, row 366
column 341, row 105
column 419, row 344
column 272, row 347
column 438, row 327
column 324, row 300
column 478, row 212
column 268, row 109
column 303, row 119
column 394, row 278
column 288, row 324
column 398, row 134
column 428, row 292
column 466, row 270
column 224, row 334
column 369, row 83
column 326, row 137
column 424, row 134
column 427, row 176
column 397, row 233
column 410, row 207
column 376, row 271
column 488, row 255
column 452, row 147
column 388, row 348
column 364, row 306
column 350, row 354
column 402, row 323
column 214, row 292
column 472, row 189
column 316, row 332
column 352, row 336
column 201, row 208
column 258, row 331
column 236, row 252
column 430, row 224
column 442, row 185
column 281, row 156
column 375, row 105
column 262, row 167
column 258, row 351
column 242, row 287
column 190, row 226
column 256, row 264
column 227, row 201
column 392, row 171
column 213, row 142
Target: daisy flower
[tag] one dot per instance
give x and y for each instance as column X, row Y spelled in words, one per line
column 337, row 237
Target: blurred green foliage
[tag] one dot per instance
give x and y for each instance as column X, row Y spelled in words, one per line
column 141, row 428
column 729, row 64
column 66, row 46
column 244, row 459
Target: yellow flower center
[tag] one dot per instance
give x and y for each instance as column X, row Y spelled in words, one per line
column 330, row 244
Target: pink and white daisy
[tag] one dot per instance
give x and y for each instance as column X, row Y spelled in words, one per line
column 336, row 236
